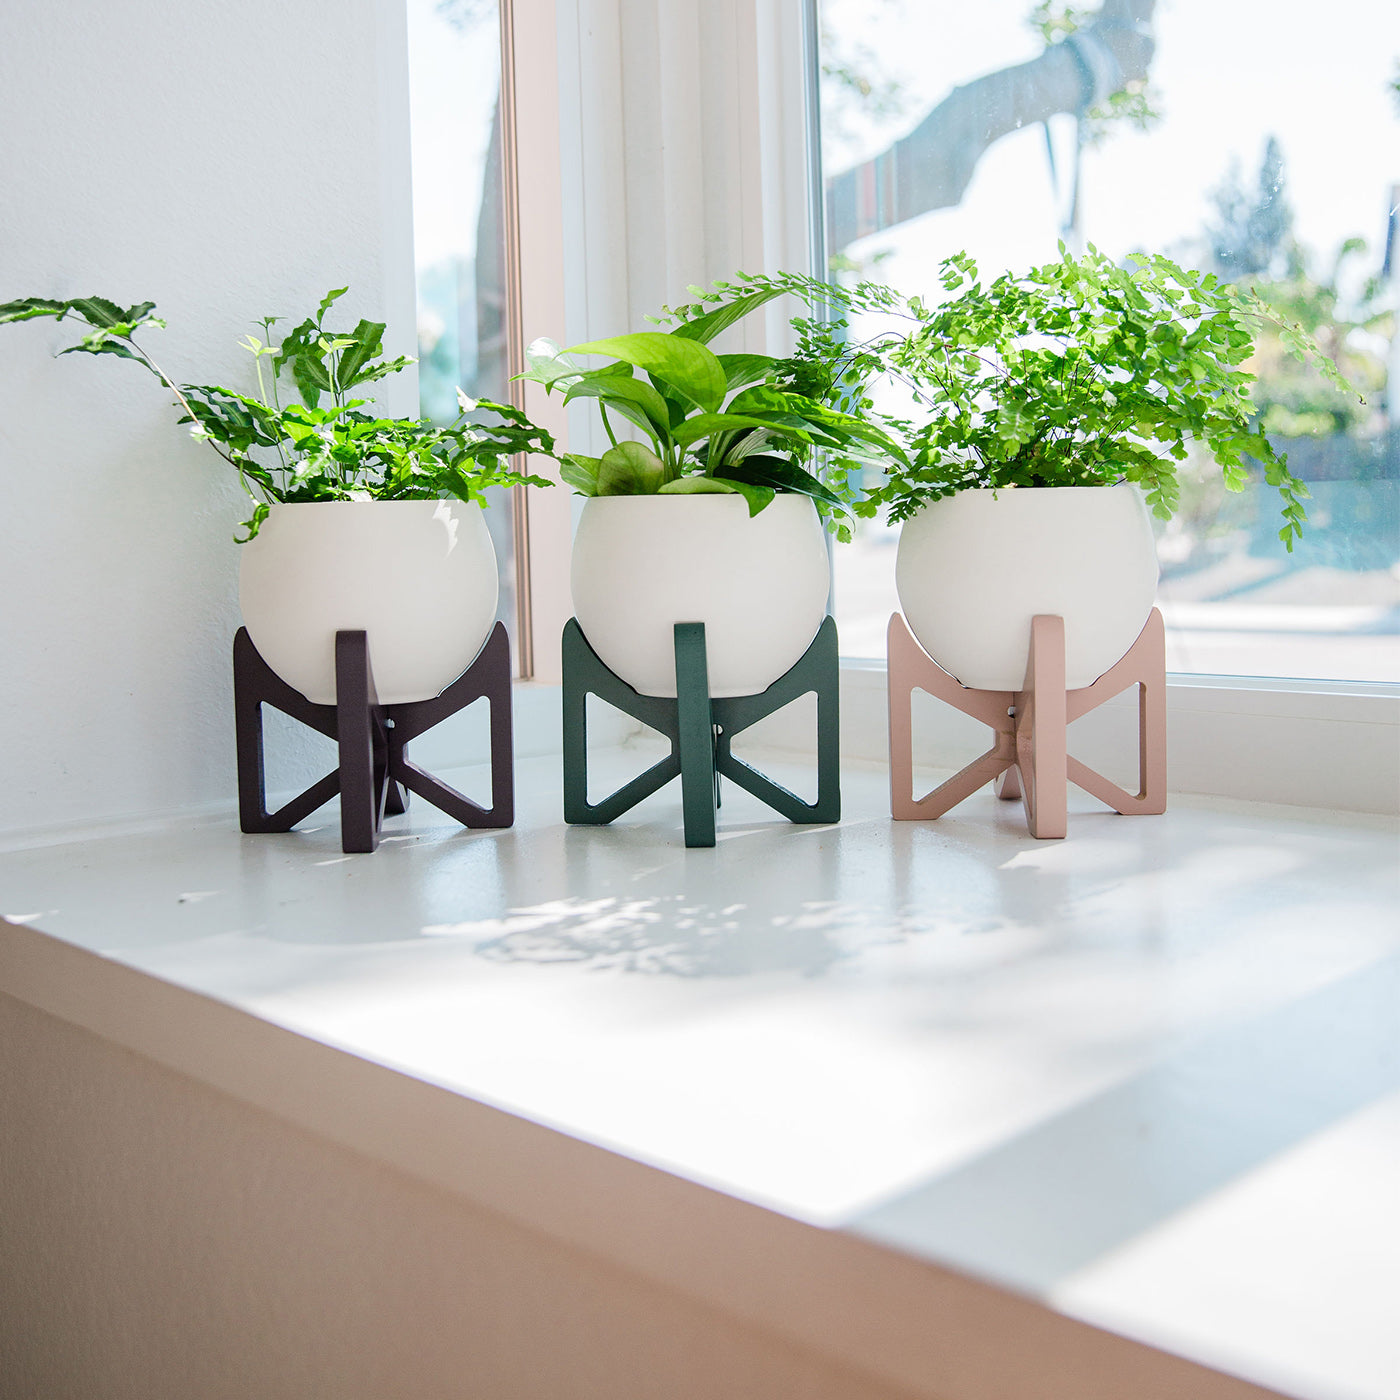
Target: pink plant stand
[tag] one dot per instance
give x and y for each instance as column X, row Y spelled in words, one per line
column 1030, row 758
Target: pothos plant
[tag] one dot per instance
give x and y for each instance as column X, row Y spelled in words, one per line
column 742, row 424
column 1081, row 372
column 318, row 445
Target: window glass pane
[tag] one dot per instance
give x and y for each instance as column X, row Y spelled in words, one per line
column 1260, row 142
column 458, row 228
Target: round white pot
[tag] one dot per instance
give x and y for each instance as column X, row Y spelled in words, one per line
column 759, row 584
column 418, row 576
column 975, row 568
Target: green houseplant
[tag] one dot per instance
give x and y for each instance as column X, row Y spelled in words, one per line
column 1086, row 372
column 1047, row 410
column 1080, row 372
column 743, row 424
column 713, row 511
column 311, row 441
column 358, row 521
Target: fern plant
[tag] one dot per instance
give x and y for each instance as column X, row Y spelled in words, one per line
column 1081, row 372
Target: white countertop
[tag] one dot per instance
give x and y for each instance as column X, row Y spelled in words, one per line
column 1149, row 1075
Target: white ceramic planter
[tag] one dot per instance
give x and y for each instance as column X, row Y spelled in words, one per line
column 759, row 584
column 974, row 568
column 418, row 576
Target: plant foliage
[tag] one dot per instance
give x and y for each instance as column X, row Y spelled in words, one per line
column 321, row 444
column 744, row 424
column 1082, row 372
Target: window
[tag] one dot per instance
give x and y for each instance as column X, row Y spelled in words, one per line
column 459, row 226
column 1258, row 142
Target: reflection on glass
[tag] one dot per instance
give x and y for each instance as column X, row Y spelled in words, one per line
column 1260, row 143
column 458, row 226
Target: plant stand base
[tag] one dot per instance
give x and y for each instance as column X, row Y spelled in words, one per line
column 374, row 775
column 1029, row 759
column 700, row 730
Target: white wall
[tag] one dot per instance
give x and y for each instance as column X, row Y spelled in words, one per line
column 225, row 161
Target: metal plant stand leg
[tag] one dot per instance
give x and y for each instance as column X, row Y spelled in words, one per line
column 696, row 741
column 487, row 677
column 1145, row 666
column 585, row 675
column 911, row 668
column 256, row 684
column 1029, row 758
column 700, row 730
column 1040, row 731
column 362, row 742
column 817, row 671
column 374, row 774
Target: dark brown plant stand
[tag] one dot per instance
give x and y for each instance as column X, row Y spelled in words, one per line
column 375, row 774
column 700, row 730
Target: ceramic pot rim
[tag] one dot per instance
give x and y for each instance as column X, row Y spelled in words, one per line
column 418, row 501
column 724, row 498
column 997, row 491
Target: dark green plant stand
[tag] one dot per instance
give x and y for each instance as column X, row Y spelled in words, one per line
column 700, row 730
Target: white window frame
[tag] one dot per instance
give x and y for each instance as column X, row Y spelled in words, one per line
column 670, row 142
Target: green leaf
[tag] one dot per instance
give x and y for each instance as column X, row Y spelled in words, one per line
column 98, row 311
column 619, row 369
column 305, row 349
column 766, row 398
column 380, row 369
column 251, row 526
column 757, row 496
column 547, row 364
column 627, row 396
column 102, row 347
column 704, row 425
column 106, row 317
column 629, row 469
column 28, row 308
column 580, row 472
column 328, row 301
column 705, row 328
column 312, row 379
column 697, row 486
column 683, row 364
column 844, row 427
column 780, row 474
column 364, row 343
column 740, row 370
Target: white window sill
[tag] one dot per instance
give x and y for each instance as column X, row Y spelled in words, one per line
column 870, row 1062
